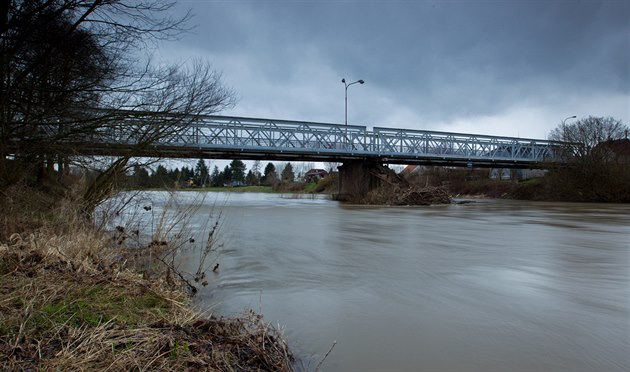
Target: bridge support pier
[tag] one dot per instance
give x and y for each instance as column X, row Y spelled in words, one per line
column 356, row 180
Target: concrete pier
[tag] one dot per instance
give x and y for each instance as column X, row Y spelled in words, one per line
column 356, row 179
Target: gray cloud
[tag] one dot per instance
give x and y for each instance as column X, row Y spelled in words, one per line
column 428, row 64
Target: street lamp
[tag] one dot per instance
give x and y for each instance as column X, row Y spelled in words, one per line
column 564, row 121
column 570, row 117
column 346, row 101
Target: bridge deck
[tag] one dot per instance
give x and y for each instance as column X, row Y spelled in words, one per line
column 252, row 138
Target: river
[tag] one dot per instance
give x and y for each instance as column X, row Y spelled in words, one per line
column 491, row 285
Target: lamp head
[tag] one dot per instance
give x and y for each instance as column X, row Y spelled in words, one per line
column 361, row 82
column 343, row 80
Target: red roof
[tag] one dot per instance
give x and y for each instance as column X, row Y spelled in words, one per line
column 408, row 169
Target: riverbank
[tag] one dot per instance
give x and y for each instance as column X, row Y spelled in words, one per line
column 326, row 185
column 74, row 298
column 594, row 185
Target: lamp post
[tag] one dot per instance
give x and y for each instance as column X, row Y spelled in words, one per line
column 346, row 85
column 564, row 121
column 570, row 117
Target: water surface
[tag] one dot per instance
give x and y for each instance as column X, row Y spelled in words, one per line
column 486, row 286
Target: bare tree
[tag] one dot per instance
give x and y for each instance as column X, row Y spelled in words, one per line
column 586, row 134
column 332, row 166
column 69, row 75
column 597, row 169
column 302, row 167
column 256, row 171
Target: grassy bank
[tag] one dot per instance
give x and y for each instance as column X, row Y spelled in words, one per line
column 73, row 298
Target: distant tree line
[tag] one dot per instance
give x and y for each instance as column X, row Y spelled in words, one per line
column 233, row 174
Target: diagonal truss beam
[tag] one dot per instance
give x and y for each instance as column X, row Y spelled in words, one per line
column 255, row 138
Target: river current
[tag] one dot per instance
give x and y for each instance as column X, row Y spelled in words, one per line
column 491, row 285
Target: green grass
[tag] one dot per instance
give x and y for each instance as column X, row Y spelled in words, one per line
column 93, row 306
column 183, row 349
column 310, row 187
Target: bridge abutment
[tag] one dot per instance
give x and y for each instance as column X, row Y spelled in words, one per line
column 357, row 179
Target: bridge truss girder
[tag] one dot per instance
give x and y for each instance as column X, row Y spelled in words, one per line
column 251, row 138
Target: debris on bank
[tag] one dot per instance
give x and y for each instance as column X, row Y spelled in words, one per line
column 396, row 190
column 408, row 195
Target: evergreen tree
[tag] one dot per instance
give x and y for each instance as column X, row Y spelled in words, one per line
column 201, row 173
column 251, row 178
column 287, row 173
column 270, row 177
column 186, row 173
column 174, row 175
column 160, row 177
column 238, row 171
column 227, row 175
column 141, row 177
column 216, row 179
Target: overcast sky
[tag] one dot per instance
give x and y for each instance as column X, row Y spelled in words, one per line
column 500, row 67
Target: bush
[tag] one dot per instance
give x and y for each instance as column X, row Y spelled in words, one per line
column 328, row 184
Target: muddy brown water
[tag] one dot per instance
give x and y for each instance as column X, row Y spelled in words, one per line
column 486, row 286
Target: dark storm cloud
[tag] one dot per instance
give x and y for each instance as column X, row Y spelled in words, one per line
column 439, row 61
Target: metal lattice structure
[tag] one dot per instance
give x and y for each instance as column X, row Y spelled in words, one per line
column 252, row 138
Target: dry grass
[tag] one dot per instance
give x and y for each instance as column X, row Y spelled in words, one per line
column 71, row 299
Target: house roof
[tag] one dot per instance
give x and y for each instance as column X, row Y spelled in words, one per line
column 408, row 169
column 316, row 171
column 620, row 147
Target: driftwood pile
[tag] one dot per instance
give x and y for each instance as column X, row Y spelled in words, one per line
column 396, row 190
column 408, row 195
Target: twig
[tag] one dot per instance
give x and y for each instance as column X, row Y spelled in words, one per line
column 191, row 288
column 325, row 356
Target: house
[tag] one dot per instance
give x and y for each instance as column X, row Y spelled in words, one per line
column 617, row 150
column 314, row 175
column 413, row 169
column 234, row 184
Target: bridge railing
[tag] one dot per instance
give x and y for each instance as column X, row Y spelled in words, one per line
column 215, row 133
column 269, row 134
column 422, row 143
column 281, row 135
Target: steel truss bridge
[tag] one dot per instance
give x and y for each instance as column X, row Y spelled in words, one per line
column 225, row 137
